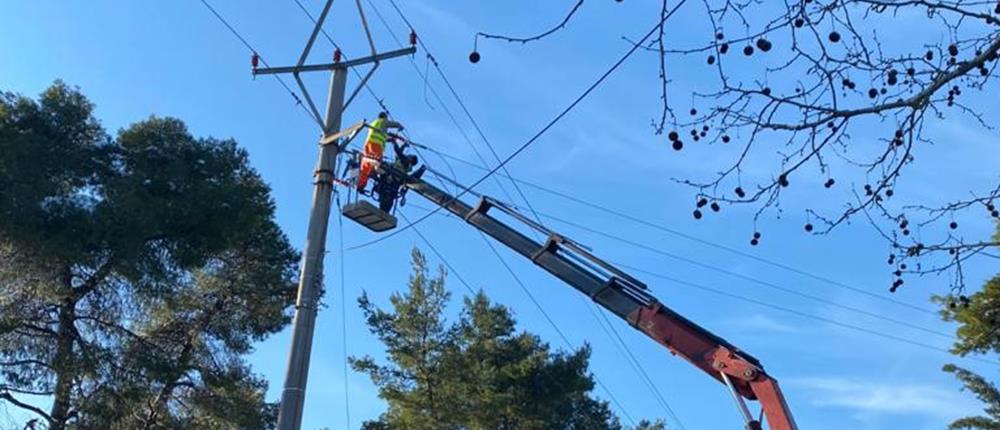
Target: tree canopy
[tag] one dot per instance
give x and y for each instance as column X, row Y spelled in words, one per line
column 477, row 372
column 978, row 333
column 135, row 270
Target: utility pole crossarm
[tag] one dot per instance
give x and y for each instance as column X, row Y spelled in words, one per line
column 336, row 65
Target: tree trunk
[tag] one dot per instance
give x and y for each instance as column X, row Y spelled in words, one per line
column 63, row 365
column 184, row 361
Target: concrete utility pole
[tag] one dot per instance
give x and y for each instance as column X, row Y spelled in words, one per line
column 311, row 276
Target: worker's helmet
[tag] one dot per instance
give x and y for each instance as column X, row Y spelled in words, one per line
column 383, row 115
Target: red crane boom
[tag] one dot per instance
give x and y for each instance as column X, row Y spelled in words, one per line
column 742, row 374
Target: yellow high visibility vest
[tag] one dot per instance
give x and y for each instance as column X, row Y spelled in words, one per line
column 376, row 134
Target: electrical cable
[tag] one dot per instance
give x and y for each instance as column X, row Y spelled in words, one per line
column 636, row 366
column 451, row 116
column 461, row 103
column 451, row 269
column 298, row 101
column 633, row 361
column 543, row 130
column 471, row 291
column 692, row 238
column 749, row 278
column 553, row 324
column 343, row 309
column 721, row 270
column 524, row 288
column 337, row 46
column 437, row 253
column 775, row 307
column 800, row 313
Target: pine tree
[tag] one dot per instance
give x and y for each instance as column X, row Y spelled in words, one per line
column 986, row 392
column 978, row 332
column 135, row 271
column 477, row 372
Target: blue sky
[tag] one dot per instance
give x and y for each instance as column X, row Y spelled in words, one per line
column 136, row 59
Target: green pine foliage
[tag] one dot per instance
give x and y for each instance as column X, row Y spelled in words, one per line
column 136, row 271
column 986, row 392
column 978, row 318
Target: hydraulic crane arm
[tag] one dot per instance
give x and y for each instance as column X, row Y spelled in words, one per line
column 627, row 298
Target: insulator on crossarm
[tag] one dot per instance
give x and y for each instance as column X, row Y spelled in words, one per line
column 336, row 55
column 413, row 38
column 255, row 60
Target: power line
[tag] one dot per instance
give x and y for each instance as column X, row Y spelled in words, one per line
column 696, row 239
column 718, row 269
column 799, row 313
column 431, row 59
column 465, row 109
column 343, row 310
column 451, row 269
column 298, row 101
column 337, row 46
column 777, row 307
column 544, row 129
column 552, row 323
column 630, row 358
column 748, row 278
column 634, row 364
column 538, row 306
column 622, row 347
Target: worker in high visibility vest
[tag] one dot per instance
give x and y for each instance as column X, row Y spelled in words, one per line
column 375, row 146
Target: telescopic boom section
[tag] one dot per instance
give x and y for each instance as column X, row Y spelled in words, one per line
column 630, row 299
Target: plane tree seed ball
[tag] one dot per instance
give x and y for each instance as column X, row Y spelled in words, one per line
column 763, row 44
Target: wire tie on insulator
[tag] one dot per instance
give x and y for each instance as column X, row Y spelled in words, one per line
column 336, row 55
column 254, row 61
column 413, row 37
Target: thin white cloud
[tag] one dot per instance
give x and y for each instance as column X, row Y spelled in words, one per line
column 761, row 323
column 884, row 397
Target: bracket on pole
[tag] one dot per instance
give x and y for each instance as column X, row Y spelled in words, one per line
column 349, row 132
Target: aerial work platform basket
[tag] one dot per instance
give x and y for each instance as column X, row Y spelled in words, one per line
column 368, row 215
